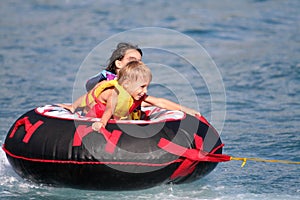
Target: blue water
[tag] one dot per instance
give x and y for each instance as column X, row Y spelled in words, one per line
column 246, row 81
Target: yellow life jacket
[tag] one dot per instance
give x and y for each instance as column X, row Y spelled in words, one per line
column 124, row 103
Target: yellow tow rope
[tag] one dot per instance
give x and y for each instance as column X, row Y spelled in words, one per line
column 263, row 160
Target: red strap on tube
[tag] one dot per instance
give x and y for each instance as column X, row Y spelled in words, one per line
column 192, row 156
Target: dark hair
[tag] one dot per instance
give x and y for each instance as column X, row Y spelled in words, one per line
column 119, row 53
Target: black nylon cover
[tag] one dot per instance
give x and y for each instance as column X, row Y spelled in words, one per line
column 136, row 163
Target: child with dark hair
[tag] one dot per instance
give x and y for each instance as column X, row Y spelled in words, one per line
column 124, row 53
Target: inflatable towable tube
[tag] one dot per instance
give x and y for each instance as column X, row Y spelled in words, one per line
column 49, row 145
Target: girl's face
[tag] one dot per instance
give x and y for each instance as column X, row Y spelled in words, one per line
column 138, row 89
column 130, row 55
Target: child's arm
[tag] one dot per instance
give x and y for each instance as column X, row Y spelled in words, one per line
column 169, row 105
column 72, row 107
column 110, row 107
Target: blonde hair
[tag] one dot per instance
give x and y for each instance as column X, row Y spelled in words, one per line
column 134, row 71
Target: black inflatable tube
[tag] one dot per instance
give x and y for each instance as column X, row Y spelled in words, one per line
column 45, row 150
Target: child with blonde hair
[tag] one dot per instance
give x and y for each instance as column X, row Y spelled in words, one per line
column 120, row 98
